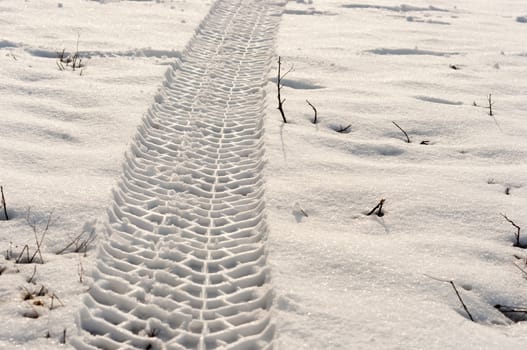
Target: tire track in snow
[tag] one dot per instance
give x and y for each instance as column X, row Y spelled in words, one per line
column 184, row 263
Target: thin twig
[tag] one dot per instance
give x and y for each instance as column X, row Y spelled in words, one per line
column 518, row 228
column 315, row 110
column 457, row 294
column 26, row 249
column 81, row 245
column 491, row 113
column 379, row 207
column 343, row 129
column 510, row 311
column 30, row 279
column 3, row 203
column 34, row 224
column 279, row 88
column 461, row 300
column 404, row 132
column 53, row 297
column 279, row 79
column 80, row 270
column 490, row 105
column 63, row 341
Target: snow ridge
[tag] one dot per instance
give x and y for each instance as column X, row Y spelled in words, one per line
column 184, row 264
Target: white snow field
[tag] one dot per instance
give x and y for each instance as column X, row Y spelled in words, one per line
column 343, row 280
column 186, row 215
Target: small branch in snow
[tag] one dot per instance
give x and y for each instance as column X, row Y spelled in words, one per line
column 490, row 105
column 80, row 271
column 343, row 129
column 3, row 203
column 53, row 297
column 404, row 132
column 63, row 339
column 378, row 207
column 21, row 255
column 31, row 279
column 517, row 233
column 279, row 78
column 457, row 294
column 515, row 314
column 461, row 300
column 298, row 211
column 79, row 244
column 38, row 229
column 315, row 110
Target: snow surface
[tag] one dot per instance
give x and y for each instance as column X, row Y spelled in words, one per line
column 344, row 280
column 64, row 135
column 341, row 279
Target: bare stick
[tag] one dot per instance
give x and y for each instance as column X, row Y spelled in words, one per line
column 315, row 110
column 404, row 132
column 510, row 311
column 491, row 113
column 34, row 225
column 518, row 228
column 457, row 294
column 30, row 279
column 490, row 105
column 505, row 308
column 63, row 341
column 461, row 300
column 53, row 297
column 379, row 207
column 3, row 203
column 279, row 87
column 80, row 243
column 80, row 270
column 26, row 248
column 343, row 129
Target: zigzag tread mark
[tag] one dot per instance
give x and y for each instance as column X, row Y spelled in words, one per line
column 183, row 264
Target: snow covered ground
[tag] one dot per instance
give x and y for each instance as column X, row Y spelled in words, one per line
column 64, row 135
column 341, row 279
column 344, row 280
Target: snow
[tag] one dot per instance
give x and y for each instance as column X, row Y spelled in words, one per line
column 340, row 279
column 64, row 135
column 345, row 280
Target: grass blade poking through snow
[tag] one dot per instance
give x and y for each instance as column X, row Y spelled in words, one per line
column 404, row 132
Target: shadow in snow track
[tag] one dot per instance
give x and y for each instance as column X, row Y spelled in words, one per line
column 183, row 264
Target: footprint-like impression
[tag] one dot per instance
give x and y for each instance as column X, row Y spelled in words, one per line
column 183, row 262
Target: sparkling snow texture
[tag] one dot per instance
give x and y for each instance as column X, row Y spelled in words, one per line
column 340, row 279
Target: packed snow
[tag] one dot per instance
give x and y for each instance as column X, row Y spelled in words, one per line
column 312, row 270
